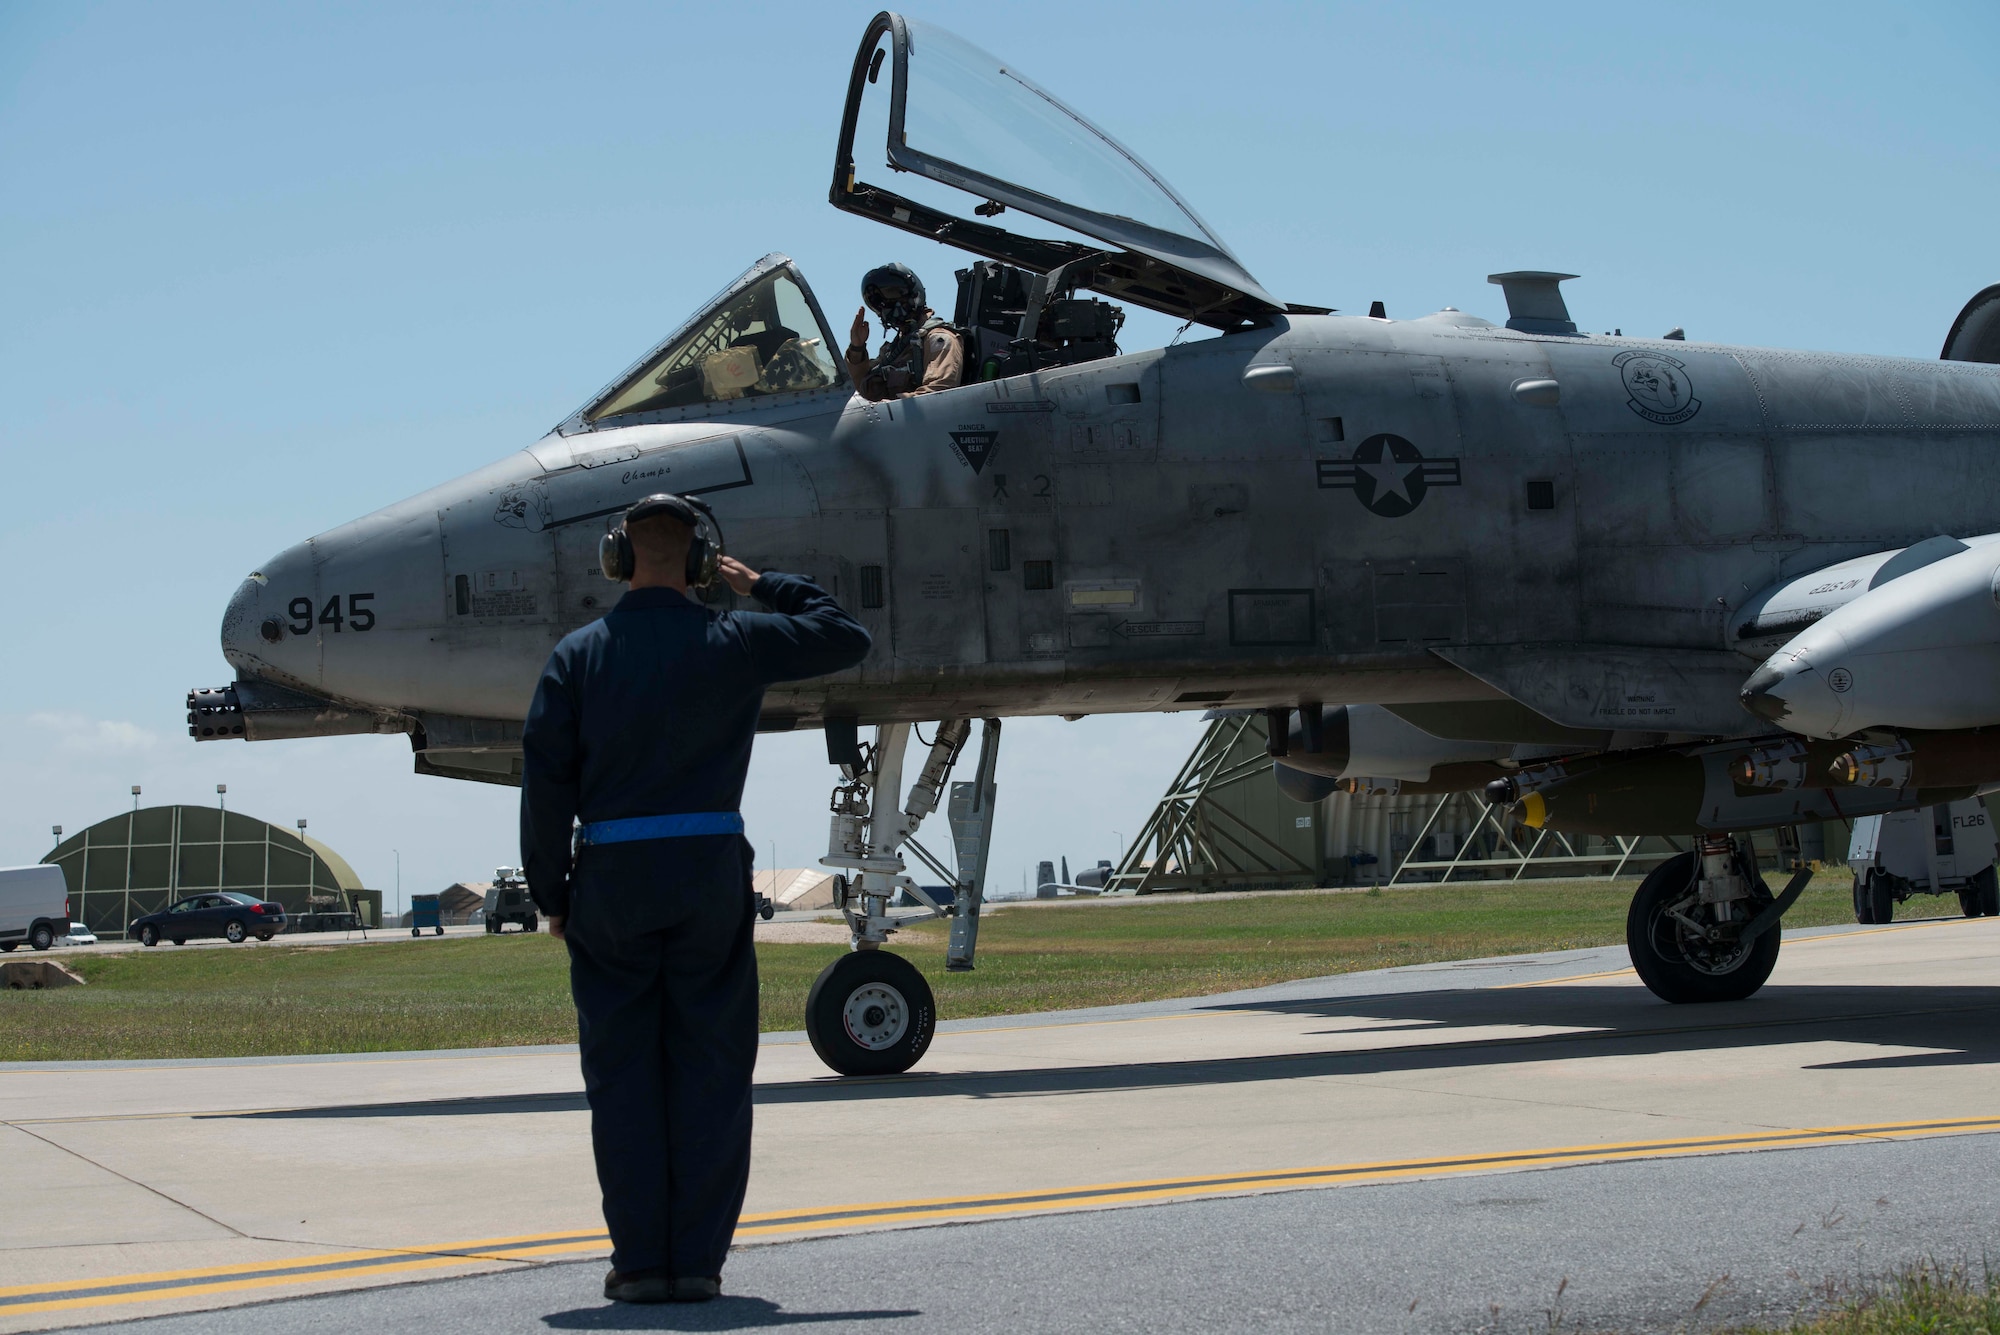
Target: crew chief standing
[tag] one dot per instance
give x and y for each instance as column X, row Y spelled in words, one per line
column 641, row 730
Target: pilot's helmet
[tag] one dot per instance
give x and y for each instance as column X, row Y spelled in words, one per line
column 894, row 293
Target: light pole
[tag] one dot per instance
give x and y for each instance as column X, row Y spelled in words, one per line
column 57, row 831
column 221, row 830
column 312, row 868
column 135, row 798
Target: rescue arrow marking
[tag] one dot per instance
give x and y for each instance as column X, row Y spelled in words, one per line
column 1150, row 629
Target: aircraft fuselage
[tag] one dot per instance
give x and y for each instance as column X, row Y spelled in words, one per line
column 1378, row 511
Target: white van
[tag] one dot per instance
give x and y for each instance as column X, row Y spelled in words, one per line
column 34, row 906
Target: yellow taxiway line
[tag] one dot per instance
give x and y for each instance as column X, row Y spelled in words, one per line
column 167, row 1285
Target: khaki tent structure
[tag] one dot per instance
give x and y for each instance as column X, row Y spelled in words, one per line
column 138, row 862
column 464, row 897
column 796, row 887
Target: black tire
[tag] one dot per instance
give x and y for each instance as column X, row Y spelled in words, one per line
column 870, row 1013
column 437, row 931
column 1881, row 897
column 8, row 946
column 492, row 927
column 1660, row 946
column 1988, row 882
column 1968, row 900
column 416, row 931
column 265, row 936
column 1861, row 900
column 235, row 932
column 532, row 924
column 149, row 936
column 41, row 936
column 180, row 940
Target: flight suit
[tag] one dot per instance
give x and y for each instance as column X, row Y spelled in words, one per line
column 650, row 712
column 933, row 360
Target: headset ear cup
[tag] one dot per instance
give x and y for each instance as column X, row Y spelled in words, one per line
column 614, row 555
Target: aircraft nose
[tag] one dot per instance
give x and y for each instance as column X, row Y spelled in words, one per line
column 255, row 627
column 241, row 621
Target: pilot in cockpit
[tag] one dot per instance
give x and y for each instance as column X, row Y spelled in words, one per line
column 921, row 353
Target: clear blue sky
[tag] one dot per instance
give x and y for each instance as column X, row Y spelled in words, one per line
column 269, row 267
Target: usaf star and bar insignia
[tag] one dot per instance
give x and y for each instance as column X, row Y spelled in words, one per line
column 1388, row 475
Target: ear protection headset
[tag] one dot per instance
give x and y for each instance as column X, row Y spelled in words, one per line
column 614, row 550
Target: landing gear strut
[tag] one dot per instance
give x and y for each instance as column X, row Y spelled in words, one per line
column 1703, row 926
column 870, row 1012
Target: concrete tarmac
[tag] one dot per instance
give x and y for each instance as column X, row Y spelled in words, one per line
column 1683, row 1134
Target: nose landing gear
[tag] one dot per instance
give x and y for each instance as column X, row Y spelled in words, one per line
column 871, row 1012
column 1703, row 926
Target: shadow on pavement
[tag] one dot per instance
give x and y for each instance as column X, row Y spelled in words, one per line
column 1955, row 1023
column 725, row 1313
column 567, row 1101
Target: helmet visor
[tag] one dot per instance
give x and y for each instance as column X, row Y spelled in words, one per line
column 891, row 294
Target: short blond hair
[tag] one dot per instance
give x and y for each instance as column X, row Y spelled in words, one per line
column 662, row 538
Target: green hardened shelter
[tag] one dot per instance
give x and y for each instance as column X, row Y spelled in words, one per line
column 140, row 861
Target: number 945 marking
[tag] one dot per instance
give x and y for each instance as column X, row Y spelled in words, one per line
column 357, row 618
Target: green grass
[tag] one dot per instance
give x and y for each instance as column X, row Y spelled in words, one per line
column 1924, row 1299
column 486, row 991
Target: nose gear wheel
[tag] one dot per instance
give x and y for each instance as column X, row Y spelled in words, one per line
column 870, row 1013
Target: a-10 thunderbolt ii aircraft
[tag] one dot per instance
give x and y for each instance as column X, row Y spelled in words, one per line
column 1442, row 554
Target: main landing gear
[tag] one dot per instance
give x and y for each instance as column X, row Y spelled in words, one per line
column 1704, row 926
column 871, row 1012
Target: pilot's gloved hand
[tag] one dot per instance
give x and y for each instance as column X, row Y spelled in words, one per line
column 857, row 337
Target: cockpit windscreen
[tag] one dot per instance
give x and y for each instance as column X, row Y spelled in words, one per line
column 974, row 111
column 757, row 339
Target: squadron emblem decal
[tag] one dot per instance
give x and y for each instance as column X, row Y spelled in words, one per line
column 1388, row 475
column 1659, row 387
column 974, row 445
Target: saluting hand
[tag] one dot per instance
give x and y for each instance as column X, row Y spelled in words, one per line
column 738, row 576
column 857, row 337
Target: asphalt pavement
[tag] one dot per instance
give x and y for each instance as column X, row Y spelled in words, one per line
column 1655, row 1245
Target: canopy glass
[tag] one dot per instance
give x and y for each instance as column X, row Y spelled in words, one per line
column 952, row 113
column 969, row 109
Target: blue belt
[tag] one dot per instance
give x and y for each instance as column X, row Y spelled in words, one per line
column 659, row 827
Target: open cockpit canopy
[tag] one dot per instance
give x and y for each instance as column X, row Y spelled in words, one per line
column 761, row 335
column 958, row 116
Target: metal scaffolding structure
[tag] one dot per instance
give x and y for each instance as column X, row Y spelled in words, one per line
column 1490, row 846
column 1222, row 824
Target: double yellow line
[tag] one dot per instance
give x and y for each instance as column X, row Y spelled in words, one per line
column 168, row 1285
column 162, row 1285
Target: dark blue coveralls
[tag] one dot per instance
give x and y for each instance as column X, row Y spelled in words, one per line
column 651, row 711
